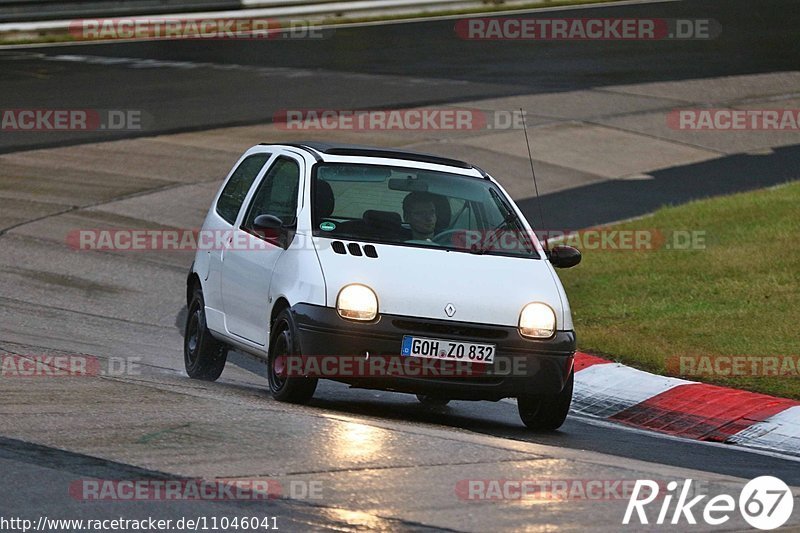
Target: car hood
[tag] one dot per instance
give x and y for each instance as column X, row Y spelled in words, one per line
column 420, row 282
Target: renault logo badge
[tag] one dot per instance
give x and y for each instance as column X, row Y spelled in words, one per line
column 450, row 310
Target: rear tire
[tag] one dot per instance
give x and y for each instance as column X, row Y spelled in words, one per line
column 432, row 401
column 546, row 411
column 203, row 355
column 283, row 344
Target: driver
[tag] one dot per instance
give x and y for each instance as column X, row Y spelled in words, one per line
column 419, row 211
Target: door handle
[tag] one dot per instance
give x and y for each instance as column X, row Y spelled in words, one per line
column 228, row 242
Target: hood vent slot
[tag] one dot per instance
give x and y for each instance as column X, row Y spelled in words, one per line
column 353, row 247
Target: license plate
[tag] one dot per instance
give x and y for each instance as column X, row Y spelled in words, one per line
column 447, row 350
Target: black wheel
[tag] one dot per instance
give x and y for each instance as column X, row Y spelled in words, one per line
column 546, row 411
column 283, row 344
column 203, row 355
column 432, row 401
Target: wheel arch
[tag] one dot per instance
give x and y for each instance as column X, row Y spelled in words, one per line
column 280, row 304
column 192, row 282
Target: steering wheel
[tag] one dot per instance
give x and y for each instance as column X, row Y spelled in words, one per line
column 439, row 238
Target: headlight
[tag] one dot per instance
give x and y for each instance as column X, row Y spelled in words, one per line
column 537, row 320
column 357, row 302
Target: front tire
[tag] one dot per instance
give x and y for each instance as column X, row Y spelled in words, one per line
column 284, row 344
column 546, row 411
column 203, row 355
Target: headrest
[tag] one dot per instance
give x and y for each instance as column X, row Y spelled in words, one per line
column 323, row 200
column 374, row 217
column 443, row 213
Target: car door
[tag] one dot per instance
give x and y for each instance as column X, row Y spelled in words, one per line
column 250, row 258
column 219, row 224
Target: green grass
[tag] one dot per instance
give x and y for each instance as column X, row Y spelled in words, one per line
column 738, row 296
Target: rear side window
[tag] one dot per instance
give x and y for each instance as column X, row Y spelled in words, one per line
column 235, row 191
column 277, row 193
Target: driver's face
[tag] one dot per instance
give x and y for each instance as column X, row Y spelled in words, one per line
column 422, row 217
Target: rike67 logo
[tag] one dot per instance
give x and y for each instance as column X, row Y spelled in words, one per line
column 765, row 503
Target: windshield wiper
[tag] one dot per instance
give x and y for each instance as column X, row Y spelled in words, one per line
column 492, row 236
column 482, row 249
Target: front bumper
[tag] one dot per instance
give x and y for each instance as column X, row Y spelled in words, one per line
column 521, row 366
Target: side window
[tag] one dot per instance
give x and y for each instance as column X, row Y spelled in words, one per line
column 235, row 191
column 277, row 193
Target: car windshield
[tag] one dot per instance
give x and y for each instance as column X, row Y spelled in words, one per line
column 412, row 207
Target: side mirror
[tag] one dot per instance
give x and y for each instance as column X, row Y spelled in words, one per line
column 564, row 256
column 267, row 223
column 274, row 230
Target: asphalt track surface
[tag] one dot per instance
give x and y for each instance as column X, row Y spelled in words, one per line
column 233, row 82
column 370, row 67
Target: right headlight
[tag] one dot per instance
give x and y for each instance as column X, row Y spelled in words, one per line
column 357, row 302
column 538, row 321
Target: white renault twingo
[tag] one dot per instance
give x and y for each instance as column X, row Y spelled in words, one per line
column 383, row 269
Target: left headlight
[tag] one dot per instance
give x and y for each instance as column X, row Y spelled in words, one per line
column 538, row 321
column 357, row 302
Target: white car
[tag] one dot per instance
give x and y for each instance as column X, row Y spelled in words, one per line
column 384, row 269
